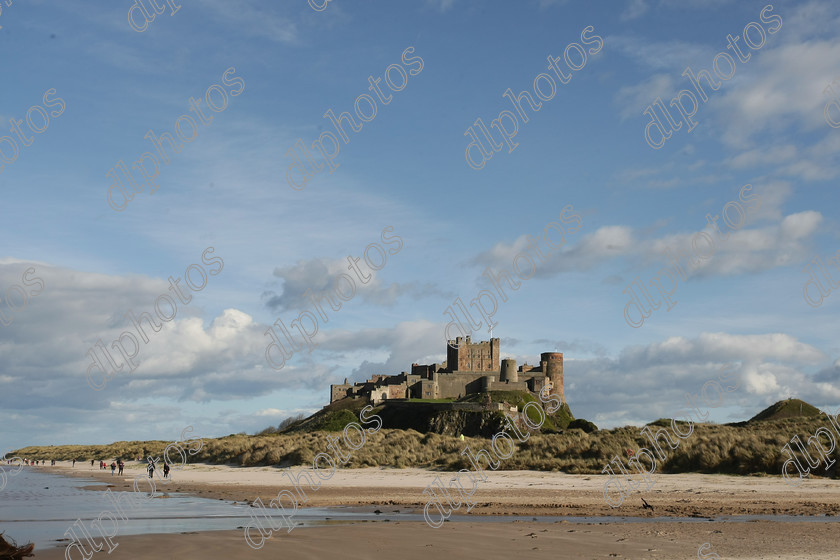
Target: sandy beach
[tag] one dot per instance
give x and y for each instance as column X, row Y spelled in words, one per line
column 504, row 493
column 417, row 541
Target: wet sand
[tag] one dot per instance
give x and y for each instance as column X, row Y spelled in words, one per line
column 417, row 541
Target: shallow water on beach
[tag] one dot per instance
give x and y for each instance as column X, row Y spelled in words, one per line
column 39, row 507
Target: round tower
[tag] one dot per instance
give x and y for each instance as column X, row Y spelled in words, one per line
column 552, row 366
column 487, row 383
column 509, row 371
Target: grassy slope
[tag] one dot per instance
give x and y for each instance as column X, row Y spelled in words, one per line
column 790, row 408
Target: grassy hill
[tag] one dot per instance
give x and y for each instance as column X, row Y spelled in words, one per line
column 331, row 418
column 790, row 408
column 426, row 416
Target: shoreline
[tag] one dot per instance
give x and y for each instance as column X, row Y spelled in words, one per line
column 518, row 493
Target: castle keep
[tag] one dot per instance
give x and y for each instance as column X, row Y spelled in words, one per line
column 470, row 367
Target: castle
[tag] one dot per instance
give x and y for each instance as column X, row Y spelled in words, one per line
column 470, row 367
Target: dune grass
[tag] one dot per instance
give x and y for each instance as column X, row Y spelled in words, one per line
column 754, row 448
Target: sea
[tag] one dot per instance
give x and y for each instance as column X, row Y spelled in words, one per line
column 39, row 507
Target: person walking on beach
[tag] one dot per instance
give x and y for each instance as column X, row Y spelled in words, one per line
column 120, row 464
column 91, row 463
column 151, row 467
column 74, row 463
column 113, row 467
column 165, row 470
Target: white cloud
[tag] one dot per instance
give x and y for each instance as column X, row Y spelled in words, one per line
column 746, row 250
column 776, row 94
column 779, row 87
column 323, row 276
column 801, row 225
column 407, row 342
column 648, row 382
column 43, row 352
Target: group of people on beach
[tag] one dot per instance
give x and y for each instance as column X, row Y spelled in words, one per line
column 114, row 464
column 151, row 469
column 33, row 462
column 118, row 463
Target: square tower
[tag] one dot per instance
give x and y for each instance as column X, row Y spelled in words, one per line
column 465, row 355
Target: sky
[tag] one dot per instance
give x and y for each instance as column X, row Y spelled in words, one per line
column 260, row 198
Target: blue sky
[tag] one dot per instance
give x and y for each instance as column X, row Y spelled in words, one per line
column 406, row 168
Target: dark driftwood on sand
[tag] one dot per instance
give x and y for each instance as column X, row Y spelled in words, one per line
column 10, row 550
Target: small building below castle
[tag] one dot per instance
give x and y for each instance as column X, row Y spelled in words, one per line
column 470, row 367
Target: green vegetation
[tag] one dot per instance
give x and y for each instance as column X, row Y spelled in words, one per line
column 331, row 418
column 790, row 408
column 333, row 421
column 125, row 450
column 711, row 448
column 584, row 425
column 745, row 448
